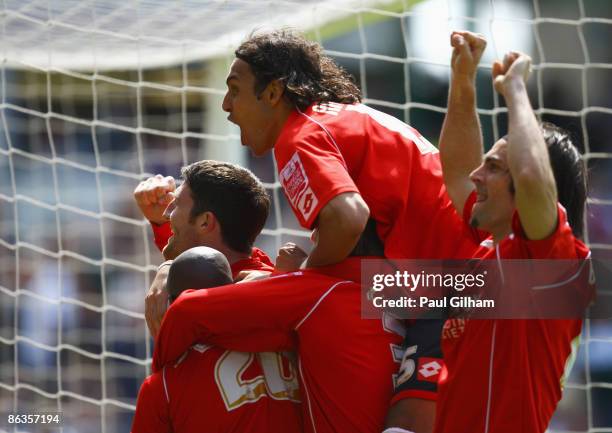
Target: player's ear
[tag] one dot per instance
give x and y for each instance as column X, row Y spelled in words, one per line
column 274, row 92
column 206, row 221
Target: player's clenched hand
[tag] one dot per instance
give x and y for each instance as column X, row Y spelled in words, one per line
column 290, row 257
column 467, row 51
column 156, row 300
column 153, row 195
column 515, row 68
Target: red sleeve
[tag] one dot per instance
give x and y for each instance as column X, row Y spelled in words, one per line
column 151, row 407
column 258, row 316
column 161, row 234
column 561, row 244
column 571, row 276
column 258, row 260
column 262, row 257
column 312, row 172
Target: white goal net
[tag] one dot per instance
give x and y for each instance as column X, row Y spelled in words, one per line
column 98, row 95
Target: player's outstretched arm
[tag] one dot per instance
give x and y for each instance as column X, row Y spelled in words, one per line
column 257, row 316
column 340, row 225
column 534, row 183
column 461, row 136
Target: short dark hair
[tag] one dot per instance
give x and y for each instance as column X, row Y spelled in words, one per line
column 308, row 75
column 234, row 195
column 197, row 268
column 570, row 174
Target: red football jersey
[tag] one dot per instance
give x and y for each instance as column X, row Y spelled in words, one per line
column 332, row 148
column 213, row 389
column 216, row 390
column 346, row 364
column 511, row 370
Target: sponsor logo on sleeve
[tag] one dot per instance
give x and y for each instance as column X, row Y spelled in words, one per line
column 295, row 184
column 293, row 178
column 308, row 203
column 429, row 369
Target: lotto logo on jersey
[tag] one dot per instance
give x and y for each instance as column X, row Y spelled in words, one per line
column 308, row 202
column 429, row 369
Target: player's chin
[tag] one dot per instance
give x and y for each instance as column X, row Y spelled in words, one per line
column 169, row 251
column 476, row 217
column 243, row 139
column 479, row 206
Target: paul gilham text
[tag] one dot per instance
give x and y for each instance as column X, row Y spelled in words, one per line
column 424, row 301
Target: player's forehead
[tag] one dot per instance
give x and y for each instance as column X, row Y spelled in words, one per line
column 498, row 152
column 239, row 71
column 183, row 192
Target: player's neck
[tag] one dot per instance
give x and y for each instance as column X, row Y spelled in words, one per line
column 234, row 256
column 283, row 111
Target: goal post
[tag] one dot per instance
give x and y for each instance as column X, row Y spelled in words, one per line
column 96, row 96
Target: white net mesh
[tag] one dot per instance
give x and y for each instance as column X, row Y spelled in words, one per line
column 96, row 96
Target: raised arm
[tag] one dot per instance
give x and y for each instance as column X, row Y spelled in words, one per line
column 534, row 183
column 461, row 137
column 152, row 197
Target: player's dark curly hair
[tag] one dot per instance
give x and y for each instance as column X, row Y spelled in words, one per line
column 236, row 197
column 569, row 172
column 308, row 75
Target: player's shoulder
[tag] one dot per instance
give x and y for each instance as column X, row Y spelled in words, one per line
column 312, row 277
column 332, row 116
column 257, row 261
column 192, row 366
column 152, row 385
column 306, row 277
column 560, row 244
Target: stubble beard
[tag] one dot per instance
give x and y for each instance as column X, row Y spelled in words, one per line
column 474, row 222
column 169, row 250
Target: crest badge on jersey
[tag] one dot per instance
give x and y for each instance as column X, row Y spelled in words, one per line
column 295, row 184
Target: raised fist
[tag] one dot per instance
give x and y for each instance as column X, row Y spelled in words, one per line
column 467, row 51
column 153, row 195
column 290, row 258
column 515, row 68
